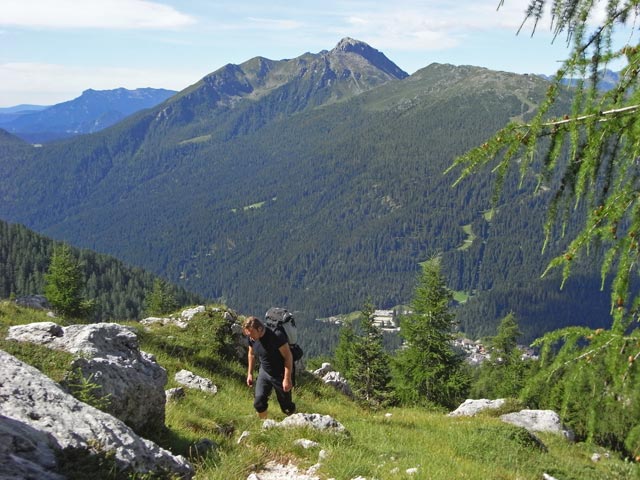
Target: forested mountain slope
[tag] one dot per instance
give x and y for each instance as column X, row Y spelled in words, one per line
column 315, row 183
column 118, row 290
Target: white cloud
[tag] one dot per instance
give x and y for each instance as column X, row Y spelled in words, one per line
column 102, row 14
column 432, row 26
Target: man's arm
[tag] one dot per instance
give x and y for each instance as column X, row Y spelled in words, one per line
column 285, row 351
column 250, row 364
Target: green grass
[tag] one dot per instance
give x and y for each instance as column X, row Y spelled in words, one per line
column 200, row 139
column 460, row 296
column 466, row 244
column 377, row 445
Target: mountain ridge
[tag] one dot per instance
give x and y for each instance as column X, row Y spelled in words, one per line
column 92, row 111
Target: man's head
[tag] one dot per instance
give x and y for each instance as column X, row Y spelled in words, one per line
column 253, row 328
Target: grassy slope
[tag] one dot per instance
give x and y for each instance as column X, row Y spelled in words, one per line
column 378, row 445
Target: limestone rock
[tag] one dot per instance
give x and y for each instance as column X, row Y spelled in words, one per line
column 164, row 321
column 181, row 321
column 175, row 394
column 108, row 355
column 30, row 402
column 323, row 370
column 311, row 420
column 336, row 380
column 470, row 407
column 41, row 333
column 306, row 443
column 189, row 313
column 26, row 452
column 37, row 302
column 275, row 471
column 190, row 380
column 333, row 378
column 538, row 421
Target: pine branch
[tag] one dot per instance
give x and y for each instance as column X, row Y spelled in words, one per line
column 607, row 113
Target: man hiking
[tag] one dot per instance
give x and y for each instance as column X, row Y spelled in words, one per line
column 276, row 366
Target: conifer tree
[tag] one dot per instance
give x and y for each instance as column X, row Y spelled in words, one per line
column 344, row 354
column 161, row 299
column 504, row 344
column 370, row 374
column 64, row 284
column 504, row 373
column 428, row 370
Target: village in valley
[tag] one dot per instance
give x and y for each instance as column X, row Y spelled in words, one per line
column 474, row 351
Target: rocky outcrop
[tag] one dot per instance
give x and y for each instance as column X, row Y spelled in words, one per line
column 472, row 407
column 531, row 420
column 108, row 355
column 181, row 321
column 26, row 452
column 37, row 302
column 191, row 380
column 315, row 421
column 538, row 421
column 333, row 378
column 39, row 419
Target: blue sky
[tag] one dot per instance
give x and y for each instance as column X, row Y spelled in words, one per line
column 52, row 50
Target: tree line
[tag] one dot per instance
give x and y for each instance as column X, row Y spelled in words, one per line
column 84, row 283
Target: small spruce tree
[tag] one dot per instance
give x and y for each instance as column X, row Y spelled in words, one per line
column 370, row 374
column 343, row 357
column 161, row 299
column 64, row 285
column 505, row 373
column 427, row 369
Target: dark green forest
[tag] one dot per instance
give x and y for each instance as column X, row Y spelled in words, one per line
column 118, row 291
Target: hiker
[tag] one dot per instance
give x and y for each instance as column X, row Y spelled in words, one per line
column 276, row 366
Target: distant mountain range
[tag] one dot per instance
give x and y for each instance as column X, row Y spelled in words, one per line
column 94, row 110
column 314, row 183
column 21, row 109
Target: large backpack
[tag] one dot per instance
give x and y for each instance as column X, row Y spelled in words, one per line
column 281, row 319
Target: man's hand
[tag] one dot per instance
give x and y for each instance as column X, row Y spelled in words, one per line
column 286, row 384
column 249, row 380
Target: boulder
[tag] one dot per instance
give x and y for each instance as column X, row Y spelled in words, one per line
column 538, row 421
column 471, row 407
column 164, row 321
column 37, row 418
column 336, row 380
column 306, row 443
column 181, row 321
column 189, row 313
column 108, row 355
column 37, row 302
column 190, row 380
column 26, row 452
column 175, row 394
column 310, row 420
column 323, row 370
column 277, row 471
column 333, row 378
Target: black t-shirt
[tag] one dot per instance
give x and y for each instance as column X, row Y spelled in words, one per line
column 267, row 350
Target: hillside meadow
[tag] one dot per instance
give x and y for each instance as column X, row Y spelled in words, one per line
column 380, row 444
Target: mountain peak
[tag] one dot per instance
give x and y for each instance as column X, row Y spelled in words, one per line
column 351, row 44
column 376, row 58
